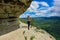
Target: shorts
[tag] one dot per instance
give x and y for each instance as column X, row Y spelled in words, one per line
column 28, row 22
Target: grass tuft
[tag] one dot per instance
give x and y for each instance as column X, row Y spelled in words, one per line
column 32, row 37
column 25, row 37
column 23, row 32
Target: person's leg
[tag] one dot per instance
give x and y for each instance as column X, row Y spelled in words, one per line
column 28, row 25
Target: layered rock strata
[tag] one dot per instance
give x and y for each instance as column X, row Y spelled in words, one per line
column 10, row 10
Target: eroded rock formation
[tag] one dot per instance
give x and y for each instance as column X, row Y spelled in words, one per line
column 10, row 10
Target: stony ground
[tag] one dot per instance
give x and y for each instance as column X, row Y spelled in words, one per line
column 24, row 34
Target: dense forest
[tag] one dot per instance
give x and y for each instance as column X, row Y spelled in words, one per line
column 50, row 24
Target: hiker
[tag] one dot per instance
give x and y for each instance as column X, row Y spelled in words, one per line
column 28, row 21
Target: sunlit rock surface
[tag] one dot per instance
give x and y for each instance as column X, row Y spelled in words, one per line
column 10, row 10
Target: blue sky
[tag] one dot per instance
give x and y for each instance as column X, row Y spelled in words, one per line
column 43, row 8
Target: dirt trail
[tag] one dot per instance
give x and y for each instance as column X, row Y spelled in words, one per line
column 22, row 33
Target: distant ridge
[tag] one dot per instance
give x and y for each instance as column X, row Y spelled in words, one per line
column 45, row 17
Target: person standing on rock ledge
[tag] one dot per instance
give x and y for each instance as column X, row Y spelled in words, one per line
column 28, row 21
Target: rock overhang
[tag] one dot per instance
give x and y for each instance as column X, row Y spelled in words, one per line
column 13, row 8
column 10, row 10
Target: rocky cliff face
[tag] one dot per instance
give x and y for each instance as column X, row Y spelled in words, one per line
column 10, row 10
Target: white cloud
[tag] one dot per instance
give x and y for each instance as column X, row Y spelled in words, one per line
column 43, row 3
column 38, row 12
column 24, row 15
column 56, row 5
column 35, row 5
column 41, row 12
column 56, row 8
column 35, row 8
column 53, row 14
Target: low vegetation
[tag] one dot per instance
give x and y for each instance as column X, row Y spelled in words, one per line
column 32, row 37
column 23, row 32
column 25, row 37
column 42, row 32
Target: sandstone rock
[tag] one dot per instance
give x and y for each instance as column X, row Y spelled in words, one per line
column 10, row 10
